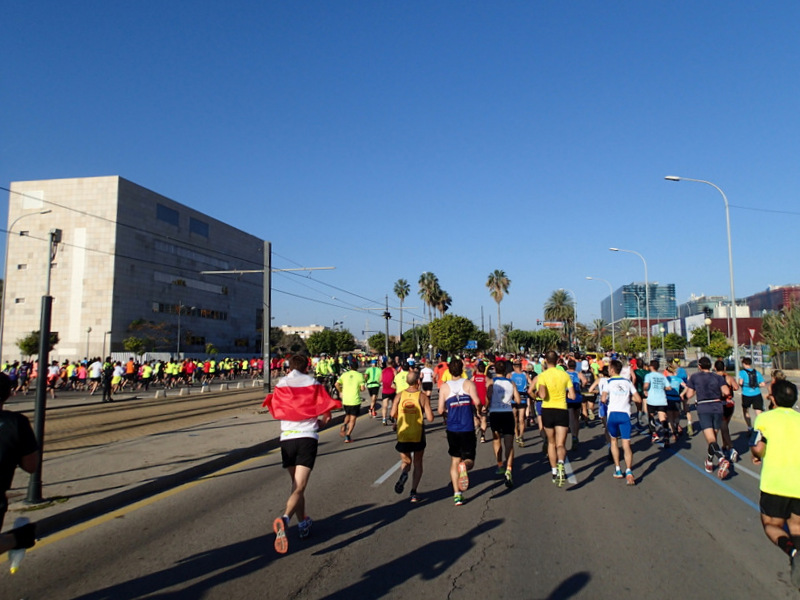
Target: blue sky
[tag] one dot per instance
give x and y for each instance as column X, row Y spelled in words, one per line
column 391, row 138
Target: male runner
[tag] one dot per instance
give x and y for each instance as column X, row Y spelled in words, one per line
column 479, row 379
column 710, row 388
column 727, row 411
column 520, row 381
column 775, row 443
column 350, row 385
column 373, row 378
column 459, row 399
column 656, row 386
column 502, row 394
column 751, row 382
column 298, row 401
column 617, row 393
column 575, row 405
column 388, row 392
column 554, row 386
column 408, row 410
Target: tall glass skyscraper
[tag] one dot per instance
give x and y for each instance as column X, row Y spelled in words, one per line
column 629, row 302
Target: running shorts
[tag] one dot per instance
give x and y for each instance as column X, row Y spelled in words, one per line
column 710, row 420
column 555, row 417
column 462, row 444
column 779, row 507
column 757, row 402
column 352, row 410
column 372, row 390
column 727, row 411
column 538, row 406
column 653, row 409
column 409, row 447
column 389, row 395
column 502, row 423
column 519, row 405
column 619, row 425
column 299, row 452
column 427, row 386
column 674, row 405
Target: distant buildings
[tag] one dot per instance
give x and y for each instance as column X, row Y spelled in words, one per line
column 630, row 302
column 127, row 254
column 304, row 331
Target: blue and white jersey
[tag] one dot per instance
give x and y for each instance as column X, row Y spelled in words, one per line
column 520, row 380
column 460, row 414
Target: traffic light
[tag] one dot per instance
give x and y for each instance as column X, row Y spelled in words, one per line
column 538, row 321
column 387, row 315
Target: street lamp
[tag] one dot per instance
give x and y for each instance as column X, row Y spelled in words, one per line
column 5, row 270
column 730, row 261
column 663, row 348
column 708, row 322
column 646, row 296
column 611, row 291
column 105, row 333
column 88, row 331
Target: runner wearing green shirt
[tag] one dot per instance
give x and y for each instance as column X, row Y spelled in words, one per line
column 349, row 385
column 373, row 378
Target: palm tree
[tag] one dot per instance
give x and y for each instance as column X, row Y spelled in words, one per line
column 442, row 301
column 600, row 330
column 559, row 307
column 401, row 290
column 498, row 284
column 428, row 283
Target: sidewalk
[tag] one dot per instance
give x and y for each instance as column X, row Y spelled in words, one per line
column 83, row 484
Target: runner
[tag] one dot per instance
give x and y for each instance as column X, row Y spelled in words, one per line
column 350, row 385
column 502, row 394
column 520, row 381
column 373, row 378
column 575, row 405
column 554, row 386
column 775, row 443
column 458, row 398
column 616, row 394
column 656, row 387
column 409, row 409
column 479, row 379
column 674, row 398
column 710, row 388
column 727, row 411
column 751, row 382
column 388, row 392
column 298, row 401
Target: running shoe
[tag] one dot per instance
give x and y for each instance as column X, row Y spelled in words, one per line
column 279, row 526
column 629, row 478
column 618, row 474
column 483, row 439
column 414, row 497
column 384, row 423
column 561, row 475
column 509, row 481
column 304, row 527
column 734, row 455
column 458, row 499
column 501, row 470
column 709, row 466
column 574, row 442
column 795, row 570
column 591, row 415
column 723, row 468
column 401, row 483
column 521, row 442
column 463, row 477
column 690, row 429
column 347, row 439
column 555, row 478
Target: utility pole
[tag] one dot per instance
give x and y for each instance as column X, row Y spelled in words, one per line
column 387, row 316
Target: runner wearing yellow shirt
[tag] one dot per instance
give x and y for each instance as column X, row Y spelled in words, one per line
column 349, row 385
column 554, row 386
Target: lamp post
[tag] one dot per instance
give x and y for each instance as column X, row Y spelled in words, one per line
column 663, row 347
column 611, row 291
column 180, row 311
column 646, row 297
column 88, row 331
column 105, row 333
column 708, row 322
column 5, row 270
column 730, row 261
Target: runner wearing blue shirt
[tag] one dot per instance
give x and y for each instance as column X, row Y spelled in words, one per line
column 656, row 386
column 520, row 381
column 751, row 383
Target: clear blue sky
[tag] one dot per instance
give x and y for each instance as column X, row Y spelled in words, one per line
column 391, row 138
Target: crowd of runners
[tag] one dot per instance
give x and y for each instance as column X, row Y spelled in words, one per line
column 551, row 396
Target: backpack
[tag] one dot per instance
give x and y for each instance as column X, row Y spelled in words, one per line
column 589, row 377
column 752, row 378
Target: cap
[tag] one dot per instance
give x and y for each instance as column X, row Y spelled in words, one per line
column 676, row 360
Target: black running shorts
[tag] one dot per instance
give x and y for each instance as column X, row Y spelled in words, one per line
column 555, row 417
column 502, row 422
column 462, row 444
column 299, row 452
column 757, row 402
column 779, row 507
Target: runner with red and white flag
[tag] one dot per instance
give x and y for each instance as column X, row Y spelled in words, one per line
column 298, row 401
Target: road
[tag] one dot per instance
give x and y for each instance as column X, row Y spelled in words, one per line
column 678, row 533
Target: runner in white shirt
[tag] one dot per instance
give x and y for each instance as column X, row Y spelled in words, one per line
column 426, row 374
column 617, row 394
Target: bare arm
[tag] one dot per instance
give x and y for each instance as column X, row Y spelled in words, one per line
column 444, row 392
column 29, row 462
column 426, row 407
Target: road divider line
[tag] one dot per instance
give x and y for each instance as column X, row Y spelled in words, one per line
column 718, row 481
column 737, row 468
column 569, row 472
column 388, row 474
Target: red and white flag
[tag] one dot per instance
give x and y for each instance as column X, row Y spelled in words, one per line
column 299, row 397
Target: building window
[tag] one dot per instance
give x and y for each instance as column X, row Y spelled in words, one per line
column 197, row 340
column 166, row 214
column 19, row 300
column 240, row 343
column 198, row 227
column 22, row 267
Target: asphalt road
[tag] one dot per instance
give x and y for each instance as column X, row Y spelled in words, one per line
column 678, row 533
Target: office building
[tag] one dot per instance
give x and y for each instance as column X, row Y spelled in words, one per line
column 129, row 264
column 630, row 302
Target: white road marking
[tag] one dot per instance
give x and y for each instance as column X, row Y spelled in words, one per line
column 568, row 470
column 737, row 467
column 388, row 474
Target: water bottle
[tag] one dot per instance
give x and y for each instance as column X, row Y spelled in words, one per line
column 15, row 556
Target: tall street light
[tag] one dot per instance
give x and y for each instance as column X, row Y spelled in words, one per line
column 730, row 261
column 646, row 297
column 611, row 291
column 5, row 271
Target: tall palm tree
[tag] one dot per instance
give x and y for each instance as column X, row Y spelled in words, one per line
column 428, row 282
column 442, row 301
column 559, row 307
column 600, row 330
column 498, row 284
column 401, row 290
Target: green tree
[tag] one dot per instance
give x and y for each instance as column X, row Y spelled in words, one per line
column 559, row 307
column 428, row 284
column 607, row 342
column 599, row 331
column 211, row 349
column 452, row 332
column 719, row 347
column 155, row 335
column 637, row 345
column 29, row 345
column 674, row 341
column 401, row 290
column 543, row 340
column 498, row 284
column 135, row 345
column 584, row 335
column 416, row 340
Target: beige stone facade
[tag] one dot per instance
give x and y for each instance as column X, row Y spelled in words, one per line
column 127, row 254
